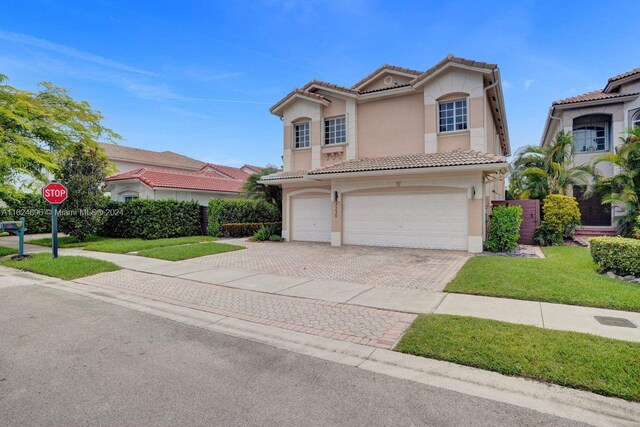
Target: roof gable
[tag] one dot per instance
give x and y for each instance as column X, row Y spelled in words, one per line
column 616, row 81
column 376, row 80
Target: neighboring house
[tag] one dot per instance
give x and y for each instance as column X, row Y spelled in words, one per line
column 403, row 158
column 166, row 175
column 597, row 120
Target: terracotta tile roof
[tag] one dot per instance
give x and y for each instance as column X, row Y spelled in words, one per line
column 155, row 158
column 158, row 178
column 301, row 92
column 625, row 75
column 328, row 85
column 214, row 170
column 283, row 175
column 384, row 88
column 596, row 95
column 256, row 169
column 413, row 161
column 386, row 67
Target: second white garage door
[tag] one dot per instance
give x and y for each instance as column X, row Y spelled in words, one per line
column 433, row 220
column 311, row 218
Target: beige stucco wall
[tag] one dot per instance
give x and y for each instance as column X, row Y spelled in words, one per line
column 337, row 107
column 453, row 141
column 391, row 126
column 301, row 159
column 394, row 183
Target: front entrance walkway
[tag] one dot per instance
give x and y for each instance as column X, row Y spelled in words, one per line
column 422, row 269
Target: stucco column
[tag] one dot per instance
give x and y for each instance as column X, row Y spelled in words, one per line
column 476, row 213
column 316, row 150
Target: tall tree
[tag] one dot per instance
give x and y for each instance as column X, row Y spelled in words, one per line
column 252, row 189
column 37, row 127
column 623, row 188
column 83, row 168
column 539, row 171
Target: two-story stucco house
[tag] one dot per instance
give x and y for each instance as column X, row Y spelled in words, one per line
column 402, row 158
column 597, row 120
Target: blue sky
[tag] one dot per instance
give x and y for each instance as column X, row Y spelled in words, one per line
column 198, row 77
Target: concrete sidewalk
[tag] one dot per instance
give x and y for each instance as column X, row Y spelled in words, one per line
column 540, row 314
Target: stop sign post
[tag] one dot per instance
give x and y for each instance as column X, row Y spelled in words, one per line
column 54, row 193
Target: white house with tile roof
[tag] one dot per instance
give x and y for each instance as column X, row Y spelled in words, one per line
column 597, row 120
column 403, row 158
column 157, row 175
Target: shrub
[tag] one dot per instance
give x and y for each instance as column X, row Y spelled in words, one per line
column 268, row 232
column 504, row 228
column 152, row 219
column 237, row 211
column 245, row 229
column 561, row 215
column 31, row 206
column 618, row 254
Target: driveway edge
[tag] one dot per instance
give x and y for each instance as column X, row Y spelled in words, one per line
column 551, row 399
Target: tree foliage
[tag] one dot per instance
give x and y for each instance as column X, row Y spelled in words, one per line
column 623, row 188
column 550, row 169
column 37, row 127
column 82, row 169
column 252, row 189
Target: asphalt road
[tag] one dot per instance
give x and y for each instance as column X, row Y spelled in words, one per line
column 69, row 360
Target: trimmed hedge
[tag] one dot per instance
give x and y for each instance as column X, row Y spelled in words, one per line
column 151, row 219
column 617, row 254
column 504, row 228
column 31, row 206
column 239, row 211
column 246, row 229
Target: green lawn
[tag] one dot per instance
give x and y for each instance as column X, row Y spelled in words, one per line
column 122, row 246
column 600, row 365
column 64, row 267
column 7, row 251
column 177, row 253
column 67, row 241
column 566, row 276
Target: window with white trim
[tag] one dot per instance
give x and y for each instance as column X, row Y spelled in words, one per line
column 335, row 130
column 635, row 120
column 128, row 199
column 301, row 135
column 453, row 115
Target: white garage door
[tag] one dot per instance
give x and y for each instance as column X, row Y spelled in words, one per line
column 311, row 218
column 435, row 220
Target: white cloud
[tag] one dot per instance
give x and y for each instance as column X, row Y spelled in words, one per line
column 528, row 83
column 506, row 84
column 70, row 52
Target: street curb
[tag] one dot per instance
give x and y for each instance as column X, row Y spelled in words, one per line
column 563, row 402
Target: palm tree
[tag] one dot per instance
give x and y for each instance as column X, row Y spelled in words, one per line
column 252, row 189
column 539, row 171
column 624, row 187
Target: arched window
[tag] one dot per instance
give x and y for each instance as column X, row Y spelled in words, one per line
column 302, row 133
column 591, row 133
column 635, row 119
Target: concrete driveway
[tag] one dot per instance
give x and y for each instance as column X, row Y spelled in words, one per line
column 428, row 270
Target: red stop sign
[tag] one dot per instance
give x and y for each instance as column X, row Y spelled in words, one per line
column 55, row 193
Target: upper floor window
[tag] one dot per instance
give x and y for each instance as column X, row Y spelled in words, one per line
column 301, row 135
column 453, row 115
column 635, row 120
column 591, row 133
column 335, row 130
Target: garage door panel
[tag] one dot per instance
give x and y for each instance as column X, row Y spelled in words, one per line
column 311, row 218
column 418, row 220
